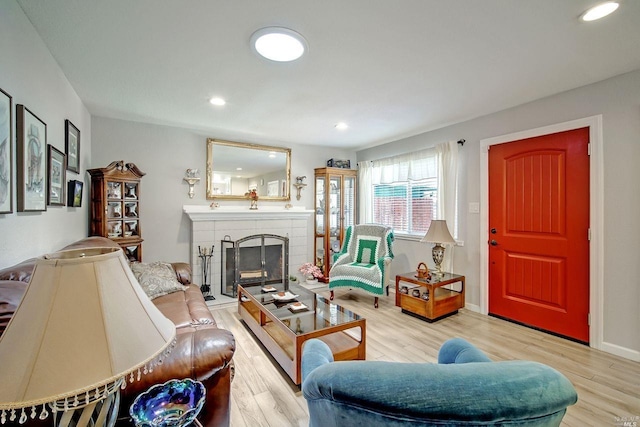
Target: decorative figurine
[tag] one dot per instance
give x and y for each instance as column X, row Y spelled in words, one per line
column 117, row 213
column 253, row 195
column 131, row 191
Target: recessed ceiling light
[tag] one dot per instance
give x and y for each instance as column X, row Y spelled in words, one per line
column 217, row 101
column 279, row 44
column 341, row 126
column 600, row 11
column 238, row 169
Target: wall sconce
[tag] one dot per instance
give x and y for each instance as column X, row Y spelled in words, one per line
column 299, row 184
column 191, row 176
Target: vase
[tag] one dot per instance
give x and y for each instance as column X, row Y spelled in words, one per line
column 312, row 281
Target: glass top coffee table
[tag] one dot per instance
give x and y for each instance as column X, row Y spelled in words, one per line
column 283, row 329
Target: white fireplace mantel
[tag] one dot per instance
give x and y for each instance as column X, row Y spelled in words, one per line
column 197, row 213
column 209, row 226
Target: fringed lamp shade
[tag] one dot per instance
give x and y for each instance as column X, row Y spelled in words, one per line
column 83, row 324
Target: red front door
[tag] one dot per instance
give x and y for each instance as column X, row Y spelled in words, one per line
column 538, row 232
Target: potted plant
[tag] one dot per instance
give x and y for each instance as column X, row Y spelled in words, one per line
column 311, row 272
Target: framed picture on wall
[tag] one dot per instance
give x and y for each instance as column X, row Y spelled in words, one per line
column 74, row 193
column 272, row 188
column 6, row 162
column 31, row 161
column 72, row 146
column 56, row 166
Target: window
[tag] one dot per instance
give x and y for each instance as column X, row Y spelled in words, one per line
column 407, row 206
column 408, row 191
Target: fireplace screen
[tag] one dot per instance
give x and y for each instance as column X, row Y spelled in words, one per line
column 260, row 259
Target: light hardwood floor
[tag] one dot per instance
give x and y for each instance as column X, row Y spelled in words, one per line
column 262, row 394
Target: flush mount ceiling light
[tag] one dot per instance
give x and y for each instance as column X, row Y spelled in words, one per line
column 341, row 126
column 600, row 11
column 217, row 101
column 279, row 44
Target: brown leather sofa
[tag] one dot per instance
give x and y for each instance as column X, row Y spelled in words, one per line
column 202, row 352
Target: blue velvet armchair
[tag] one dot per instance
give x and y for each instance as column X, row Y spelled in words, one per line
column 463, row 388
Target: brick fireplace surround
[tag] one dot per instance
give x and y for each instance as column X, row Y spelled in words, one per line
column 209, row 226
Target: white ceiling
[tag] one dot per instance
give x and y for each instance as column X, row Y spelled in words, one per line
column 388, row 68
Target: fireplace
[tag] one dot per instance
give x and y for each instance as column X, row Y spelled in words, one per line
column 210, row 226
column 256, row 260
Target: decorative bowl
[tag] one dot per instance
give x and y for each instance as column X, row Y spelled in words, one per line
column 174, row 403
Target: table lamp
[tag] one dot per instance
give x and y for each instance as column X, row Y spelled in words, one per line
column 438, row 233
column 83, row 328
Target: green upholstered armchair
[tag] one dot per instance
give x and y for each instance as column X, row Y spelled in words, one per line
column 465, row 388
column 363, row 262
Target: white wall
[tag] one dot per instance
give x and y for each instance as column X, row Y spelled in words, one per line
column 618, row 100
column 32, row 77
column 164, row 154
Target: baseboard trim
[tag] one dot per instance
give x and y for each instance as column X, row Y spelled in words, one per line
column 617, row 350
column 472, row 307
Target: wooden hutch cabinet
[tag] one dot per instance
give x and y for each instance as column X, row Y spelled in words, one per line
column 115, row 207
column 335, row 210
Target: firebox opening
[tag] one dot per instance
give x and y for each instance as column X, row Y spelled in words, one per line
column 255, row 260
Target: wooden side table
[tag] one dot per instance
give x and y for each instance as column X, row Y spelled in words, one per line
column 442, row 301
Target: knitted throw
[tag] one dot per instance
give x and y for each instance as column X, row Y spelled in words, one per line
column 360, row 263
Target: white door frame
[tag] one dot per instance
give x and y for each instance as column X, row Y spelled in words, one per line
column 596, row 215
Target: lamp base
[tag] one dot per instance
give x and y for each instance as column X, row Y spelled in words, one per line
column 438, row 257
column 100, row 411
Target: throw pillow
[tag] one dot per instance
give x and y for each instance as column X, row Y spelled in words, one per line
column 367, row 249
column 157, row 279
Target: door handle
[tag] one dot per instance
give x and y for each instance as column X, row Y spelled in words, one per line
column 494, row 243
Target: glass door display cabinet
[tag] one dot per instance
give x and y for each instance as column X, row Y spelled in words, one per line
column 115, row 206
column 335, row 210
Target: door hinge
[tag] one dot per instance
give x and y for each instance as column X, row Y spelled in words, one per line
column 588, row 234
column 588, row 149
column 589, row 319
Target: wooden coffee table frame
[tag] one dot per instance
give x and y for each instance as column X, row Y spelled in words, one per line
column 286, row 346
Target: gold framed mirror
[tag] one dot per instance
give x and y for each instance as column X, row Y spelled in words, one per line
column 235, row 168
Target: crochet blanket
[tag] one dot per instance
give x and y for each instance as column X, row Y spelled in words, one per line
column 361, row 262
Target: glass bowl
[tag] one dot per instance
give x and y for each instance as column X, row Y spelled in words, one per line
column 174, row 403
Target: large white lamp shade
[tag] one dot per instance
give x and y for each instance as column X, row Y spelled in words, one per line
column 83, row 324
